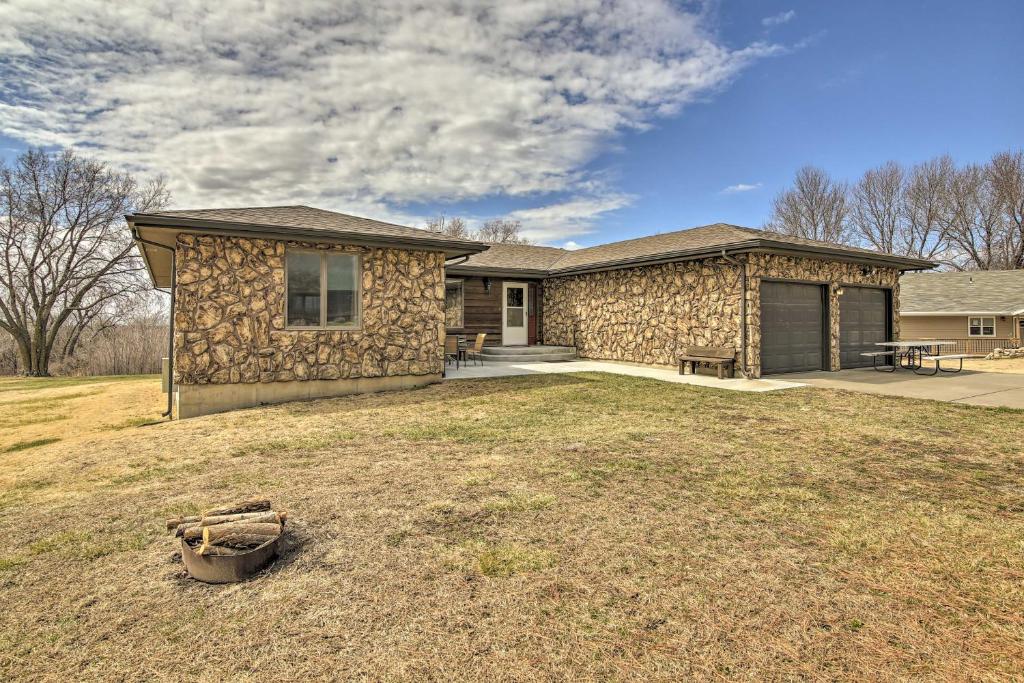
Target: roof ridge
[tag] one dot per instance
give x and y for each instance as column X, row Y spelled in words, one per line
column 234, row 208
column 569, row 252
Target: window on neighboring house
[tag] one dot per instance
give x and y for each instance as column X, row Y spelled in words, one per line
column 323, row 289
column 453, row 304
column 981, row 327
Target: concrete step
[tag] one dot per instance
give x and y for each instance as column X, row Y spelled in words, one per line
column 526, row 350
column 528, row 358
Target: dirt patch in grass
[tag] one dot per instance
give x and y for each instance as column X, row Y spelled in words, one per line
column 584, row 527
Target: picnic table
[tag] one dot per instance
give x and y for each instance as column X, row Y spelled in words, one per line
column 910, row 354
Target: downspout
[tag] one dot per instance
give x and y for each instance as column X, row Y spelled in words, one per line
column 743, row 310
column 170, row 324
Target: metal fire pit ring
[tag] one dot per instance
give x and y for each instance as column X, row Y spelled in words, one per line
column 228, row 568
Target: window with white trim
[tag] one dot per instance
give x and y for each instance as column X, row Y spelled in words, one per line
column 981, row 327
column 453, row 304
column 322, row 290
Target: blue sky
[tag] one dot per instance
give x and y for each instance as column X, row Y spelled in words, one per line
column 587, row 121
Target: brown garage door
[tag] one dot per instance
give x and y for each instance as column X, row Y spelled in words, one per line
column 863, row 321
column 792, row 327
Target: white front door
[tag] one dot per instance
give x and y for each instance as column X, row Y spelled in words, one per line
column 514, row 314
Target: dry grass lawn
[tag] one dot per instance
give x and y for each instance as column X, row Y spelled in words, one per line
column 564, row 526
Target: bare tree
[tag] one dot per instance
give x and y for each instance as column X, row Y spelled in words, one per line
column 65, row 249
column 452, row 227
column 1006, row 174
column 901, row 212
column 924, row 206
column 497, row 231
column 972, row 223
column 502, row 231
column 877, row 207
column 816, row 207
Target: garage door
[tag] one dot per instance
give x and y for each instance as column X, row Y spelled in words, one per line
column 863, row 321
column 792, row 327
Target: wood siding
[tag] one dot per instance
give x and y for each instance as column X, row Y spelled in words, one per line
column 949, row 327
column 482, row 309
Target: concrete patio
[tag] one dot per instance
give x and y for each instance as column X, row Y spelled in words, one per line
column 975, row 388
column 663, row 374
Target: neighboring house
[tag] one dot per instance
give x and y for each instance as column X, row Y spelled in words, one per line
column 279, row 303
column 981, row 310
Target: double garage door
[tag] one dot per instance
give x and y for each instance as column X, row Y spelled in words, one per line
column 794, row 329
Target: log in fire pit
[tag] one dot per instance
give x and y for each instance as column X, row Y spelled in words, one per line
column 229, row 543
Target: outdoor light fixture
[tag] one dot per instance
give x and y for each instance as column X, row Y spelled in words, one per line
column 487, row 285
column 839, row 291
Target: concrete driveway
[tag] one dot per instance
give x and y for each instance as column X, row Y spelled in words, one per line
column 976, row 388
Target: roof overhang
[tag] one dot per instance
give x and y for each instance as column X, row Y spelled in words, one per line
column 156, row 236
column 495, row 272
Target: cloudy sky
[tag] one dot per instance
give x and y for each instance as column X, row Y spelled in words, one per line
column 588, row 120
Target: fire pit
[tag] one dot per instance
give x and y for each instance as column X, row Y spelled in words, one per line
column 229, row 543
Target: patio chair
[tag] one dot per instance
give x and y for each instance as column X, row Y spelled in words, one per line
column 451, row 351
column 476, row 352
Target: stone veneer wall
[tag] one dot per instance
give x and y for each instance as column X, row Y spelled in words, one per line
column 647, row 314
column 230, row 325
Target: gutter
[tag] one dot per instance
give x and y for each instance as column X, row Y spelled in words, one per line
column 742, row 265
column 170, row 322
column 499, row 272
column 449, row 263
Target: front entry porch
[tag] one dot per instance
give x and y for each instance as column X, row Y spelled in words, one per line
column 509, row 312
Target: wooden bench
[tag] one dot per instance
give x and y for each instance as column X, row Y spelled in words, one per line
column 938, row 363
column 722, row 357
column 875, row 355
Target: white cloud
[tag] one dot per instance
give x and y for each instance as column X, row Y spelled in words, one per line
column 571, row 246
column 552, row 222
column 779, row 19
column 741, row 187
column 352, row 105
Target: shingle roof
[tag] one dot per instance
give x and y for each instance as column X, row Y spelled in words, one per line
column 999, row 292
column 306, row 219
column 514, row 257
column 681, row 242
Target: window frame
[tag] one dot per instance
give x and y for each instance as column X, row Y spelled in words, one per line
column 449, row 282
column 323, row 327
column 981, row 326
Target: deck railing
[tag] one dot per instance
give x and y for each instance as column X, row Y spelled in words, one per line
column 980, row 345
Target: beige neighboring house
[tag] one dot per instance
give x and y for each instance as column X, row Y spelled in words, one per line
column 980, row 310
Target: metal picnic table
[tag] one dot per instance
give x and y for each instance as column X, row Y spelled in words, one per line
column 909, row 354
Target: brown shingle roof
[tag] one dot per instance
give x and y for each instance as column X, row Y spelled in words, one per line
column 518, row 257
column 303, row 218
column 708, row 237
column 999, row 292
column 682, row 243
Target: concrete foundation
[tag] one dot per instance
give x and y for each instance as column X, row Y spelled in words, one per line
column 193, row 400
